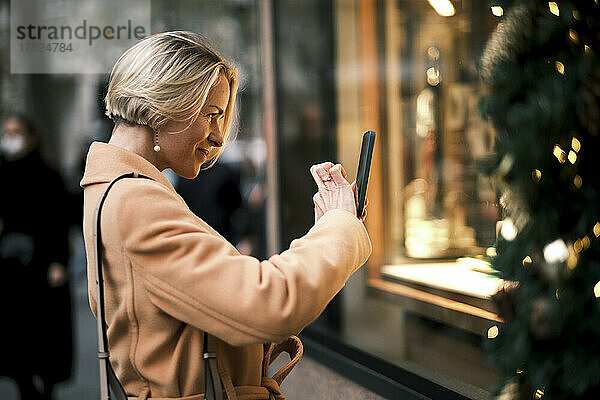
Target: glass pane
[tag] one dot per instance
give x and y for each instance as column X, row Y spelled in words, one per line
column 304, row 57
column 423, row 302
column 448, row 210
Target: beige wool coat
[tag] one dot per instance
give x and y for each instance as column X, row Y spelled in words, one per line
column 169, row 277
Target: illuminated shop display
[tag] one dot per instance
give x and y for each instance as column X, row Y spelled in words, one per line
column 433, row 217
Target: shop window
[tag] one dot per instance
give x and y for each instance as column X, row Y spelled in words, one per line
column 410, row 68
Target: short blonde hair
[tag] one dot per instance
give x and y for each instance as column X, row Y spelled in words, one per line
column 167, row 76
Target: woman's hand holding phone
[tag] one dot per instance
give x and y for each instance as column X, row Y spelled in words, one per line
column 334, row 191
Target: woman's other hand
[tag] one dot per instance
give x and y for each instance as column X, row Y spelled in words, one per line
column 334, row 191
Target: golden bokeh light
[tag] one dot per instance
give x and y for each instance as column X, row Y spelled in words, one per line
column 577, row 181
column 573, row 36
column 576, row 144
column 536, row 175
column 433, row 76
column 572, row 157
column 597, row 290
column 526, row 261
column 497, row 11
column 539, row 393
column 559, row 153
column 572, row 261
column 577, row 246
column 586, row 48
column 557, row 295
column 493, row 332
column 553, row 8
column 585, row 241
column 560, row 67
column 596, row 229
column 577, row 15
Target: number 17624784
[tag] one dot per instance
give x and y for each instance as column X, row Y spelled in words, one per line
column 48, row 47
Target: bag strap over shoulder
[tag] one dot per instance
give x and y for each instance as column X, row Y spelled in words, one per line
column 213, row 388
column 108, row 379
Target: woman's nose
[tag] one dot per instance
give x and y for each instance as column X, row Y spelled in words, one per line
column 216, row 137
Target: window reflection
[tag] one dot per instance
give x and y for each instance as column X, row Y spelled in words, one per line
column 429, row 282
column 448, row 208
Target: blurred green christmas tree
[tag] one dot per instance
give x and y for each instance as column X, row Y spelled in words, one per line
column 543, row 69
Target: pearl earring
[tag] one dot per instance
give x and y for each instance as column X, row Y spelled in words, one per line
column 156, row 146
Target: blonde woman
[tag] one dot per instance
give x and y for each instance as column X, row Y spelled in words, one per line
column 169, row 278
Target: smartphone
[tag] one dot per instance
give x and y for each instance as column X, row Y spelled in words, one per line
column 364, row 169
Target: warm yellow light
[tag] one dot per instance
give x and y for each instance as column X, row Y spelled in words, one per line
column 497, row 11
column 508, row 230
column 577, row 15
column 556, row 252
column 574, row 36
column 556, row 151
column 536, row 175
column 491, row 252
column 561, row 158
column 576, row 144
column 572, row 261
column 539, row 393
column 597, row 290
column 519, row 371
column 586, row 48
column 577, row 181
column 557, row 295
column 433, row 76
column 585, row 241
column 493, row 331
column 559, row 153
column 526, row 261
column 596, row 229
column 560, row 67
column 572, row 157
column 577, row 246
column 553, row 8
column 442, row 7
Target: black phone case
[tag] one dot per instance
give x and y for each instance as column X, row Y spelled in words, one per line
column 364, row 168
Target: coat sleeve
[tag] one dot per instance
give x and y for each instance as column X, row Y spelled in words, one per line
column 196, row 276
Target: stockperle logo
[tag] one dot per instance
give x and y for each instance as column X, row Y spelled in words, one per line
column 74, row 36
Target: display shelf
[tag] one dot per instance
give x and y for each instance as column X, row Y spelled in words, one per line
column 452, row 293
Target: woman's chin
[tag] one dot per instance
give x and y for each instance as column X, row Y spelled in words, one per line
column 189, row 173
column 191, row 176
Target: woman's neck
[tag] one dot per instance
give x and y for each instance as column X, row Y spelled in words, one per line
column 138, row 140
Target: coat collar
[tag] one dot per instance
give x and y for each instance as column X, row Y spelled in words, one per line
column 105, row 162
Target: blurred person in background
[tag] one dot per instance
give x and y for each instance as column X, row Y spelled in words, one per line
column 35, row 305
column 214, row 195
column 169, row 277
